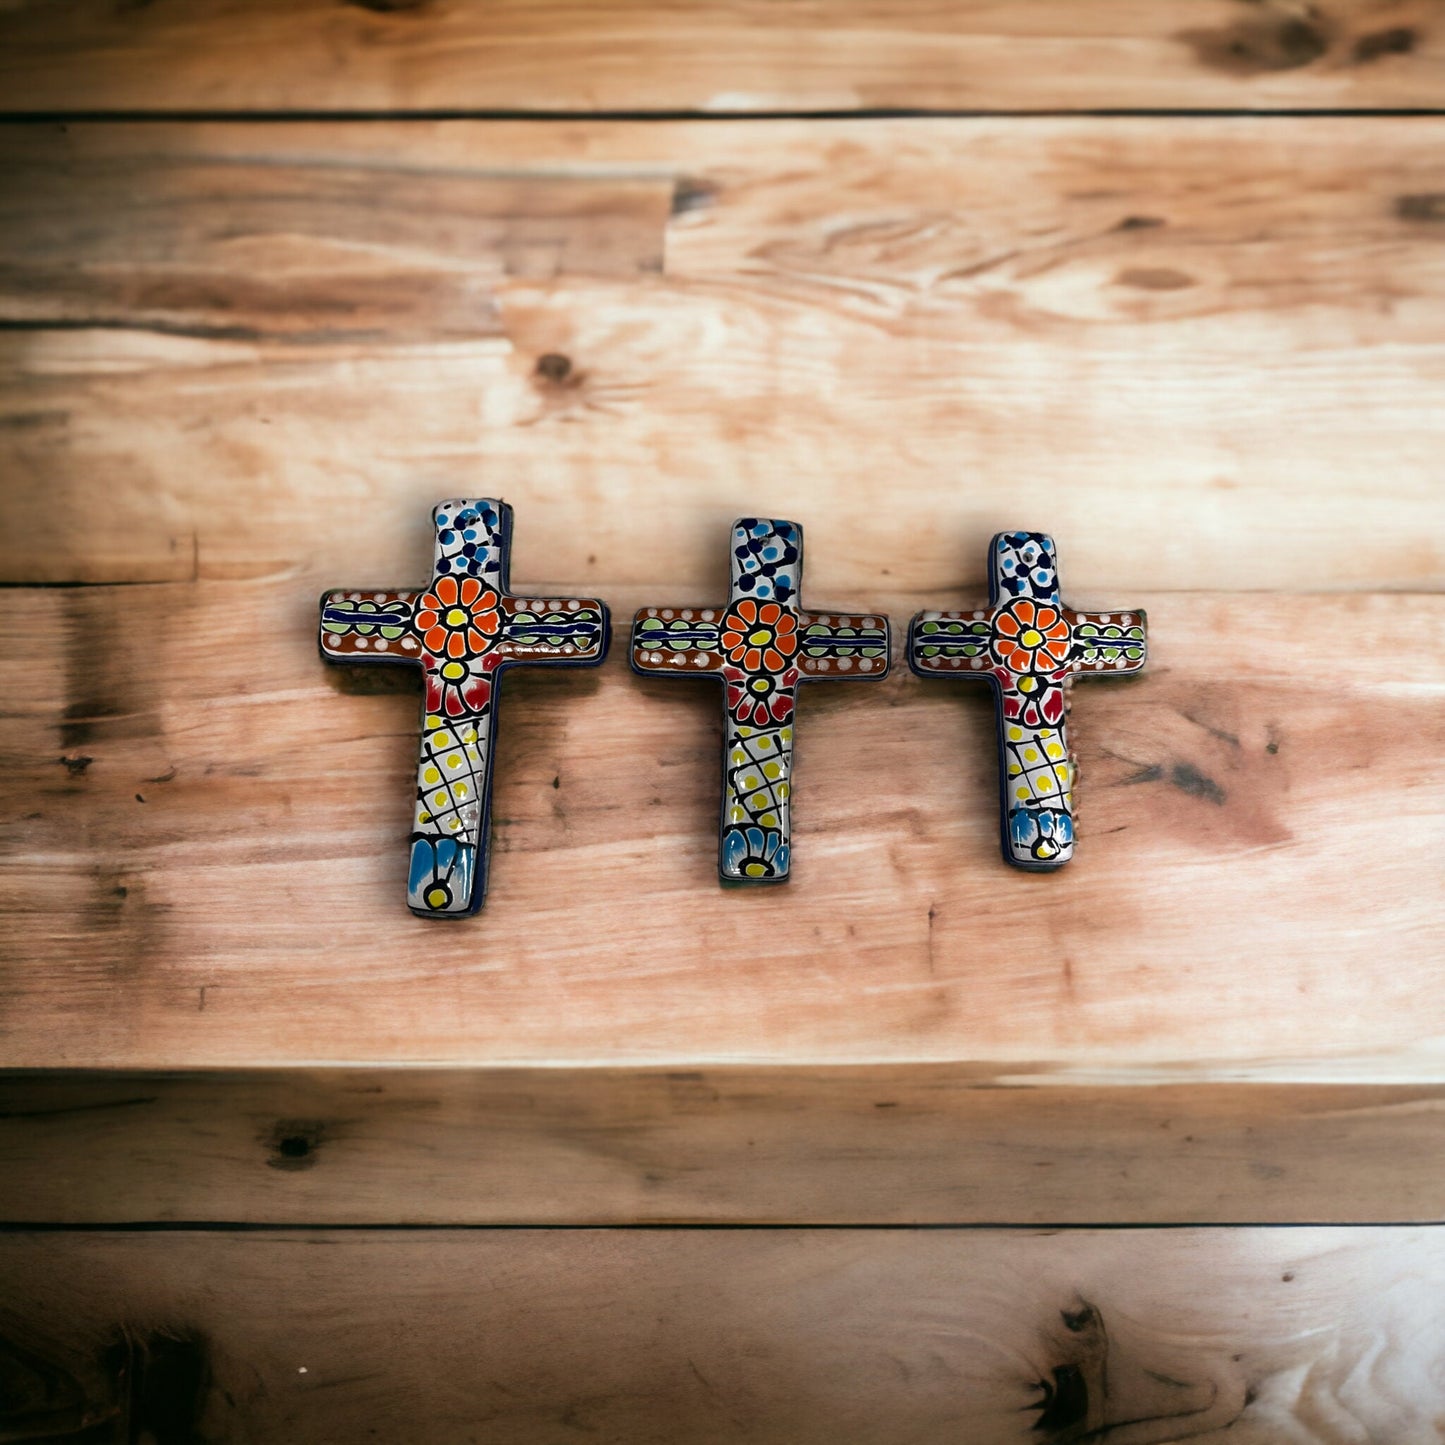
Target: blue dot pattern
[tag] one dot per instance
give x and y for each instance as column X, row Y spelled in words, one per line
column 471, row 541
column 1024, row 565
column 767, row 560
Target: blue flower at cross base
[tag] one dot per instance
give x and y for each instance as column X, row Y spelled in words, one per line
column 754, row 853
column 441, row 874
column 1043, row 831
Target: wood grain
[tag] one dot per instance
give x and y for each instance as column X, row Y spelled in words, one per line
column 206, row 853
column 739, row 57
column 1206, row 353
column 887, row 1144
column 792, row 1337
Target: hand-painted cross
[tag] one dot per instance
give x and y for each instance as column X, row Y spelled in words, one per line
column 1030, row 647
column 761, row 645
column 463, row 629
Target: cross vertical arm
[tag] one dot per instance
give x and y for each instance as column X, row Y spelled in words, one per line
column 459, row 619
column 759, row 642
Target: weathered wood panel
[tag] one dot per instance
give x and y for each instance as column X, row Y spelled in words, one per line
column 793, row 1337
column 889, row 1144
column 206, row 828
column 1206, row 353
column 742, row 56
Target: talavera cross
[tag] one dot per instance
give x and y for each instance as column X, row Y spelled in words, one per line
column 1030, row 647
column 463, row 630
column 760, row 646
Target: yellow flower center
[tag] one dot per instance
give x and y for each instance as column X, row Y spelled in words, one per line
column 761, row 637
column 1032, row 638
column 755, row 870
column 760, row 684
column 436, row 897
column 456, row 618
column 454, row 670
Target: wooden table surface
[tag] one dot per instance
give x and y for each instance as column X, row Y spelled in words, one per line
column 1164, row 279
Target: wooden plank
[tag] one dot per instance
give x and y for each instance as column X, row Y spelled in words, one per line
column 888, row 1144
column 740, row 57
column 792, row 1337
column 205, row 838
column 1206, row 352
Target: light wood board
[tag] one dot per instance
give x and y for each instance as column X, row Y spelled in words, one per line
column 813, row 1337
column 206, row 854
column 738, row 57
column 1206, row 353
column 921, row 1144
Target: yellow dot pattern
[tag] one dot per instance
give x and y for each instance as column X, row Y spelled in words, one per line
column 451, row 777
column 757, row 786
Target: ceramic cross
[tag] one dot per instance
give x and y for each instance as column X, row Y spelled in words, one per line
column 1030, row 647
column 463, row 629
column 760, row 646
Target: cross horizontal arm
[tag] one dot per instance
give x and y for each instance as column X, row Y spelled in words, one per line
column 1111, row 642
column 373, row 626
column 540, row 630
column 677, row 640
column 842, row 646
column 949, row 642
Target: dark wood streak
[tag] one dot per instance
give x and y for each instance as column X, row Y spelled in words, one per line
column 1266, row 39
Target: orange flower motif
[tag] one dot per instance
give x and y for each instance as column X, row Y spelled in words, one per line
column 759, row 636
column 1030, row 636
column 458, row 617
